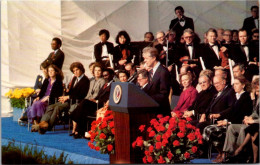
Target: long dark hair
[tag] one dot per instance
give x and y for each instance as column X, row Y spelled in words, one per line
column 59, row 73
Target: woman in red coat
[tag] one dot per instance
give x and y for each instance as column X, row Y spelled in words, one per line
column 188, row 94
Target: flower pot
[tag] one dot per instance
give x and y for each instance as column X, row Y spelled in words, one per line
column 17, row 112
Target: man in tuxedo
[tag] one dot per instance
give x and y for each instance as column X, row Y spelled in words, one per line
column 221, row 104
column 56, row 57
column 103, row 48
column 77, row 92
column 181, row 23
column 159, row 80
column 191, row 51
column 143, row 79
column 210, row 51
column 252, row 22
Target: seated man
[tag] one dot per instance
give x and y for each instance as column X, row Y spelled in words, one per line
column 202, row 101
column 77, row 92
column 88, row 107
column 131, row 69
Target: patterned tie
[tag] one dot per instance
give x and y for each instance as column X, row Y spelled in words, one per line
column 151, row 75
column 105, row 86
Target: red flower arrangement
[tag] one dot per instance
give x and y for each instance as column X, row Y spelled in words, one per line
column 102, row 134
column 171, row 140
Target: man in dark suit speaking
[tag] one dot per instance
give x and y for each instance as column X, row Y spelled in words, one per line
column 181, row 23
column 159, row 80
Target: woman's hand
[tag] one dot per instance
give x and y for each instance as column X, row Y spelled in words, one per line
column 62, row 99
column 121, row 62
column 36, row 99
column 45, row 99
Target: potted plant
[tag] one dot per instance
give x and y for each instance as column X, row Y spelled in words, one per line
column 170, row 140
column 17, row 98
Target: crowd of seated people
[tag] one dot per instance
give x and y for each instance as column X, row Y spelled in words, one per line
column 216, row 81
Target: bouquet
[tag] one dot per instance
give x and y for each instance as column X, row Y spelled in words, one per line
column 171, row 140
column 17, row 96
column 102, row 134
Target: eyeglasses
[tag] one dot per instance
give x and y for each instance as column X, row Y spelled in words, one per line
column 255, row 36
column 203, row 82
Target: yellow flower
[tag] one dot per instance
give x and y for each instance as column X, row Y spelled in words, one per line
column 9, row 93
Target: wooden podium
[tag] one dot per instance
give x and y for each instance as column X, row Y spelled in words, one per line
column 131, row 108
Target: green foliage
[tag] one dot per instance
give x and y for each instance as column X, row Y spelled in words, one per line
column 13, row 154
column 17, row 103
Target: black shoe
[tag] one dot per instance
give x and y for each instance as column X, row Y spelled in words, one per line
column 77, row 136
column 72, row 134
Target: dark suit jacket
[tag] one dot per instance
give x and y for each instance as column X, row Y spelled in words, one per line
column 159, row 89
column 242, row 107
column 249, row 24
column 80, row 90
column 222, row 104
column 56, row 90
column 118, row 55
column 209, row 57
column 239, row 54
column 57, row 59
column 203, row 100
column 98, row 50
column 175, row 25
column 103, row 95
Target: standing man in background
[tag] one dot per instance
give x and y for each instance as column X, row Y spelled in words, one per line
column 56, row 57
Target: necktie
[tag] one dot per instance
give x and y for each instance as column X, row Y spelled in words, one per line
column 244, row 45
column 105, row 86
column 213, row 45
column 151, row 75
column 189, row 45
column 53, row 55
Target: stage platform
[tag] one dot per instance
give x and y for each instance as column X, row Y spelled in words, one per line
column 58, row 142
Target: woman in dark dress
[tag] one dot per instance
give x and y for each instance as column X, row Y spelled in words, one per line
column 123, row 53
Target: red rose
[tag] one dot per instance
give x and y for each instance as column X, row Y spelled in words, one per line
column 149, row 129
column 158, row 145
column 161, row 128
column 172, row 121
column 147, row 153
column 113, row 130
column 108, row 112
column 103, row 125
column 105, row 119
column 152, row 134
column 149, row 159
column 189, row 119
column 97, row 148
column 141, row 128
column 189, row 126
column 161, row 160
column 194, row 149
column 168, row 133
column 169, row 155
column 166, row 118
column 102, row 136
column 92, row 140
column 151, row 148
column 154, row 122
column 144, row 160
column 109, row 147
column 187, row 155
column 200, row 141
column 164, row 142
column 158, row 138
column 111, row 124
column 180, row 134
column 176, row 143
column 93, row 123
column 182, row 129
column 139, row 142
column 191, row 136
column 178, row 114
column 197, row 132
column 159, row 116
column 89, row 144
column 134, row 144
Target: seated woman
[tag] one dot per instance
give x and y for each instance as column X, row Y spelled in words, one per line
column 123, row 53
column 247, row 131
column 83, row 109
column 243, row 106
column 187, row 96
column 51, row 89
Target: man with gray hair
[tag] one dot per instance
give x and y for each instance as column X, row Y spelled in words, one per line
column 159, row 80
